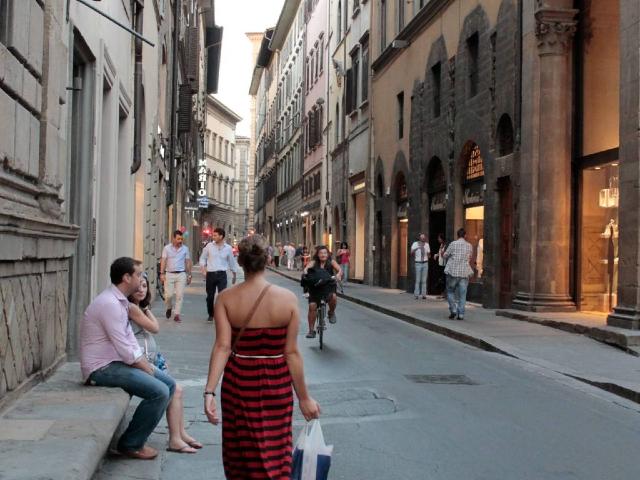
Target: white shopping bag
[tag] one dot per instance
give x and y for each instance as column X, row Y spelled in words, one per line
column 311, row 456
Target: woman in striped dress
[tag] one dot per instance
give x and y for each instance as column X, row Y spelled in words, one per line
column 256, row 348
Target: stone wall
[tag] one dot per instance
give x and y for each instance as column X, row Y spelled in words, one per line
column 37, row 241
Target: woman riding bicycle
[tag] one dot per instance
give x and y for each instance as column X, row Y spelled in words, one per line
column 326, row 290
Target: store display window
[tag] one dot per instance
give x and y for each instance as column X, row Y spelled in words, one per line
column 600, row 196
column 473, row 203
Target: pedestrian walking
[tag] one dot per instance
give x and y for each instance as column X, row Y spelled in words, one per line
column 144, row 324
column 111, row 357
column 458, row 270
column 305, row 257
column 175, row 268
column 440, row 280
column 216, row 259
column 261, row 362
column 291, row 254
column 343, row 255
column 276, row 255
column 270, row 255
column 420, row 251
column 298, row 256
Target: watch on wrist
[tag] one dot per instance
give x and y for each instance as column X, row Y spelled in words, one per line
column 213, row 394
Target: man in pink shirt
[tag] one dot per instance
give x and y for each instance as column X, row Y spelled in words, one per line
column 111, row 357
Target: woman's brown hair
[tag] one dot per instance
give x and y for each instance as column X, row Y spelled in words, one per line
column 252, row 254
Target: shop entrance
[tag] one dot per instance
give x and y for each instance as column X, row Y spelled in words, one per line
column 473, row 204
column 402, row 199
column 437, row 196
column 599, row 238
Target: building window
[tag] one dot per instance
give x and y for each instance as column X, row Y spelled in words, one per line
column 5, row 20
column 355, row 72
column 383, row 24
column 436, row 71
column 472, row 52
column 321, row 54
column 336, row 127
column 400, row 102
column 365, row 72
column 400, row 14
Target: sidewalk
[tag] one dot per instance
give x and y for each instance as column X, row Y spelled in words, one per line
column 564, row 349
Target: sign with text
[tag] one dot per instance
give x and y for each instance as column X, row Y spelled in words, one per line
column 202, row 179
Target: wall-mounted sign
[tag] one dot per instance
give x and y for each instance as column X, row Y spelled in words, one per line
column 438, row 202
column 190, row 207
column 202, row 178
column 473, row 194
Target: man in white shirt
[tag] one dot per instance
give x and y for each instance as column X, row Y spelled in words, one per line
column 291, row 253
column 217, row 257
column 420, row 252
column 175, row 273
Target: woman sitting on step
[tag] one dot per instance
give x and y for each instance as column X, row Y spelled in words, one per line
column 144, row 323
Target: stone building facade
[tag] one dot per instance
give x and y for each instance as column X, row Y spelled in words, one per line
column 223, row 181
column 441, row 162
column 85, row 167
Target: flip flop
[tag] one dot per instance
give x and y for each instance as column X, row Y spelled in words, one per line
column 195, row 444
column 182, row 450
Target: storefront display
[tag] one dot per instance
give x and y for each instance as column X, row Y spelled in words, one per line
column 599, row 238
column 473, row 203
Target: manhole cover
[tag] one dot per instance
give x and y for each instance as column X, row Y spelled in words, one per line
column 441, row 379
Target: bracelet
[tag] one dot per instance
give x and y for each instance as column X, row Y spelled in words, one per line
column 213, row 394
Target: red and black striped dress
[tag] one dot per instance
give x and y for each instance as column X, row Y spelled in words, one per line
column 257, row 406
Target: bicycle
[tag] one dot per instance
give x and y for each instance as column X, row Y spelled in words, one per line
column 321, row 313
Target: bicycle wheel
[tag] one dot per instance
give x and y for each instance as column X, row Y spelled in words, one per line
column 320, row 323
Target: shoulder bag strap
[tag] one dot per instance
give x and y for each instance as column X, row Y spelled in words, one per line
column 249, row 317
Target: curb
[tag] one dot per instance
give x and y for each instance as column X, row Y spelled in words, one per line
column 486, row 344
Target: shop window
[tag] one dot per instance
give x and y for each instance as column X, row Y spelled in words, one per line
column 599, row 238
column 473, row 203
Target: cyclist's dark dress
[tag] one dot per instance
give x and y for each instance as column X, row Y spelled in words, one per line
column 319, row 273
column 257, row 406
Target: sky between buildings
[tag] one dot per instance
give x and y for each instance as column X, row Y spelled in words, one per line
column 236, row 66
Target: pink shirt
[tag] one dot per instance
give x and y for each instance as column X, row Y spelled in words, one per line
column 105, row 333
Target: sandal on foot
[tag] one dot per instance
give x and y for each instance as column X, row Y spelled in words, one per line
column 195, row 444
column 186, row 449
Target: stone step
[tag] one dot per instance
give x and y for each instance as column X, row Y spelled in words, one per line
column 60, row 429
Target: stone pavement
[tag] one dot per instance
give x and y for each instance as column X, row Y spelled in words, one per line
column 60, row 429
column 561, row 350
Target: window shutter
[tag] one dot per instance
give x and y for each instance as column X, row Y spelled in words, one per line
column 312, row 129
column 184, row 109
column 192, row 58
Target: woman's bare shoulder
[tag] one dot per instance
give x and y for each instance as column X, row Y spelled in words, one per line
column 282, row 294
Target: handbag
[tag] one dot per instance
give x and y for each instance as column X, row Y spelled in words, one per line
column 311, row 456
column 248, row 318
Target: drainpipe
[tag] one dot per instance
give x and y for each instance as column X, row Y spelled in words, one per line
column 137, row 87
column 174, row 95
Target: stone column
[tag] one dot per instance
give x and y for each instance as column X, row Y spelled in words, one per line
column 627, row 313
column 546, row 286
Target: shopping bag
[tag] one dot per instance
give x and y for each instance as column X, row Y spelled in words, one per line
column 311, row 456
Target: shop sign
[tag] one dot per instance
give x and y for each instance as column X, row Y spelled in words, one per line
column 190, row 207
column 202, row 178
column 403, row 210
column 473, row 194
column 203, row 203
column 439, row 202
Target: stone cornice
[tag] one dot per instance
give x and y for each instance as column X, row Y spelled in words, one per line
column 555, row 28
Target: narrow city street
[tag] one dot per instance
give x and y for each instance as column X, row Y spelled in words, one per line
column 402, row 403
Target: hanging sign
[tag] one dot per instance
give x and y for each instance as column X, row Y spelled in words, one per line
column 202, row 179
